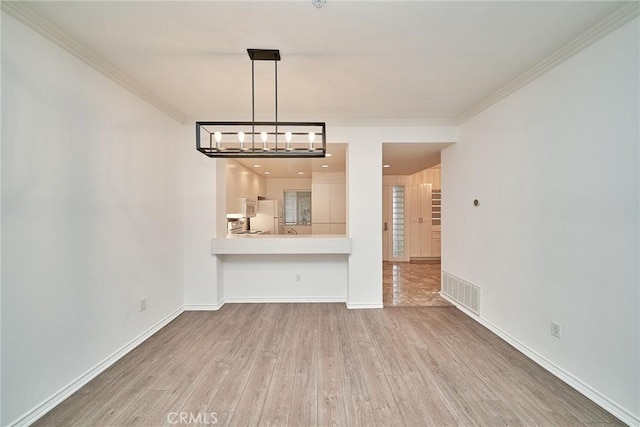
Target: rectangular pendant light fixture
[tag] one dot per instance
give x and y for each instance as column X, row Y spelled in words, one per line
column 262, row 139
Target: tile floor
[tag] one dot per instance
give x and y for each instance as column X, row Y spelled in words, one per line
column 415, row 283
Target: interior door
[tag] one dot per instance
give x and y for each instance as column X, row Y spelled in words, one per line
column 394, row 226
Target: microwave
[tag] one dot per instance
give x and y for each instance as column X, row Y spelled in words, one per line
column 249, row 207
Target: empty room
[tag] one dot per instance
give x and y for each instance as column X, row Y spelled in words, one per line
column 320, row 212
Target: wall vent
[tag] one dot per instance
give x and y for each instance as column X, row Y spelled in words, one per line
column 461, row 291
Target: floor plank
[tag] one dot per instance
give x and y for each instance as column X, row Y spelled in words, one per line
column 321, row 364
column 330, row 394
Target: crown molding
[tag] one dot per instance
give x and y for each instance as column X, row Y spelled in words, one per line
column 617, row 19
column 23, row 13
column 189, row 120
column 392, row 122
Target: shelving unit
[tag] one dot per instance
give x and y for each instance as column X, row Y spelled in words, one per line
column 436, row 198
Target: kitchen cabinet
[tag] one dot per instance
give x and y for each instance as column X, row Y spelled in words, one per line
column 424, row 223
column 436, row 199
column 435, row 179
column 320, row 228
column 435, row 243
column 425, row 213
column 338, row 203
column 328, row 208
column 420, row 221
column 338, row 228
column 320, row 203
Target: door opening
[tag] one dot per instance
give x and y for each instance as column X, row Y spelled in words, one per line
column 411, row 222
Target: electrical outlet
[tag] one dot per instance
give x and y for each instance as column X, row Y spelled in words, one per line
column 555, row 329
column 298, row 277
column 143, row 304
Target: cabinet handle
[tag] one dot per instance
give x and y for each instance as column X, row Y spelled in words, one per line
column 385, row 228
column 420, row 220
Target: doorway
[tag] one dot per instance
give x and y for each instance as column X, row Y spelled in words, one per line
column 411, row 222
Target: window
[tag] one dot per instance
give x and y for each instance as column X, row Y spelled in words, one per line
column 297, row 207
column 397, row 220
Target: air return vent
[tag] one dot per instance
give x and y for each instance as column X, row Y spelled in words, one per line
column 462, row 292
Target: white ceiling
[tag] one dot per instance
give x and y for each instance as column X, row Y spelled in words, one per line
column 407, row 159
column 290, row 168
column 348, row 62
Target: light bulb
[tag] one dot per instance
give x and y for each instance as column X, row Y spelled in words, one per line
column 287, row 137
column 263, row 136
column 217, row 135
column 312, row 137
column 241, row 139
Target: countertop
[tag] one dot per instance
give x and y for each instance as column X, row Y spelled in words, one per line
column 281, row 244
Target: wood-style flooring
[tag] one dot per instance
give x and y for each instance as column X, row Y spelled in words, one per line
column 412, row 284
column 321, row 364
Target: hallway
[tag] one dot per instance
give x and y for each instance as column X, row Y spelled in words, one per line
column 415, row 283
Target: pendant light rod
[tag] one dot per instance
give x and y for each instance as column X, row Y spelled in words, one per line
column 276, row 71
column 253, row 106
column 263, row 55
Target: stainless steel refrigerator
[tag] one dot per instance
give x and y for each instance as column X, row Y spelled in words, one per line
column 269, row 217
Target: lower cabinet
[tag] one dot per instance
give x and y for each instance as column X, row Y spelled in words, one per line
column 435, row 244
column 338, row 228
column 321, row 228
column 332, row 228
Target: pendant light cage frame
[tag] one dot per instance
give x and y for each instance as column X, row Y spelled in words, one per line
column 265, row 138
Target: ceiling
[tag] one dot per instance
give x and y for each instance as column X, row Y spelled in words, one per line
column 290, row 168
column 349, row 62
column 407, row 159
column 399, row 158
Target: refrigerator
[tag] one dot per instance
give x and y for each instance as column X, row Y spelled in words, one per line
column 269, row 217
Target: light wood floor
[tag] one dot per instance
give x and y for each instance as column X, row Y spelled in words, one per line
column 321, row 364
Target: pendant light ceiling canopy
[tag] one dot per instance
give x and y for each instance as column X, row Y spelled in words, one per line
column 262, row 139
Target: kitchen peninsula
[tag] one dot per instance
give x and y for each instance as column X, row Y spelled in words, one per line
column 283, row 268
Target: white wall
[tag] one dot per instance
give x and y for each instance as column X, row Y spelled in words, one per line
column 242, row 182
column 555, row 238
column 285, row 278
column 364, row 200
column 90, row 218
column 204, row 217
column 0, row 239
column 364, row 207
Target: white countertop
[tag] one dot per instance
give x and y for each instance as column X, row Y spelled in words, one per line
column 251, row 244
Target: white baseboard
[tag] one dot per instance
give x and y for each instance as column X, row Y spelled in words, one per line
column 204, row 307
column 48, row 404
column 360, row 306
column 284, row 300
column 598, row 398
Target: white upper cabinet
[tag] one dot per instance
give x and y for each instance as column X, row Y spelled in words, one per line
column 328, row 204
column 424, row 214
column 338, row 203
column 320, row 203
